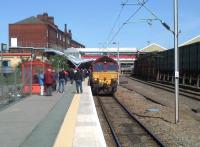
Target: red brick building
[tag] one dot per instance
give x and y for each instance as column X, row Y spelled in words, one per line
column 41, row 32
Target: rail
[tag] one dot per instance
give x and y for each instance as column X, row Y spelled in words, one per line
column 183, row 91
column 148, row 131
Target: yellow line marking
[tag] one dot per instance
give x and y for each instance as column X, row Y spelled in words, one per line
column 66, row 133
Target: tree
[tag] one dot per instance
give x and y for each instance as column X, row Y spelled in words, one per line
column 58, row 62
column 19, row 66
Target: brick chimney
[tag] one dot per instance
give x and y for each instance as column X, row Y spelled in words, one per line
column 51, row 19
column 65, row 29
column 70, row 33
column 44, row 17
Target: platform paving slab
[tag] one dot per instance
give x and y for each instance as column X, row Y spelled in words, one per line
column 46, row 131
column 88, row 132
column 19, row 122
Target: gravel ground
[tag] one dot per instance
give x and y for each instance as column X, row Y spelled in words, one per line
column 186, row 133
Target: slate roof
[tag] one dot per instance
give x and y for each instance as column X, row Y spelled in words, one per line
column 30, row 20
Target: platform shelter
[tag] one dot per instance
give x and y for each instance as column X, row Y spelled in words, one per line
column 30, row 72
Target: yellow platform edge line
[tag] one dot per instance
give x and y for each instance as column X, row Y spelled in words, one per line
column 66, row 132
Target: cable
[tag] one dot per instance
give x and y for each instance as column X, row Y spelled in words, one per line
column 156, row 17
column 149, row 10
column 120, row 28
column 115, row 22
column 118, row 17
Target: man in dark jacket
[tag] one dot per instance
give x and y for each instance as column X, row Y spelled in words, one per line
column 61, row 81
column 78, row 79
column 71, row 75
column 48, row 80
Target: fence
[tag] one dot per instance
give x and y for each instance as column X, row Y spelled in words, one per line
column 10, row 85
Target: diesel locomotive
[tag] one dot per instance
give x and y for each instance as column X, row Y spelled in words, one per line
column 104, row 76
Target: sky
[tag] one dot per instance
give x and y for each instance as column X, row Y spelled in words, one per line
column 99, row 23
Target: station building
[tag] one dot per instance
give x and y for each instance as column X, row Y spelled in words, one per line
column 34, row 36
column 40, row 32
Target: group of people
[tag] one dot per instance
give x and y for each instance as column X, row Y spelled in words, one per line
column 57, row 81
column 46, row 80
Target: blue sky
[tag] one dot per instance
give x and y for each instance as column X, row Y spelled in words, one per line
column 92, row 20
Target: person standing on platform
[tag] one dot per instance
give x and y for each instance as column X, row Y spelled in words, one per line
column 61, row 81
column 41, row 82
column 78, row 80
column 66, row 76
column 55, row 80
column 71, row 75
column 48, row 80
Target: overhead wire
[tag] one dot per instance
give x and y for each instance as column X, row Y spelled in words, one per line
column 149, row 10
column 117, row 19
column 120, row 28
column 156, row 17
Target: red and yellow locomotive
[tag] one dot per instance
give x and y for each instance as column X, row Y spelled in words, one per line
column 104, row 76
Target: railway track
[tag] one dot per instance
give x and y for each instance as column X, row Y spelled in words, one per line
column 182, row 91
column 125, row 128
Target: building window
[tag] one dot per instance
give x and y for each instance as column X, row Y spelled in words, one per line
column 64, row 39
column 5, row 63
column 57, row 35
column 68, row 41
column 47, row 33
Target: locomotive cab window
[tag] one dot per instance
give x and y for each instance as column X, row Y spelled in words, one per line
column 98, row 67
column 112, row 67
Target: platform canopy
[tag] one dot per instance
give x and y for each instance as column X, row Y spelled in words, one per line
column 54, row 51
column 73, row 58
column 77, row 61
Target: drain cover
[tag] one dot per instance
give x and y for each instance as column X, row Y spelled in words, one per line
column 152, row 110
column 196, row 110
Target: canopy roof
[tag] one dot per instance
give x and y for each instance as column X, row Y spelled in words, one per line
column 153, row 47
column 191, row 41
column 76, row 61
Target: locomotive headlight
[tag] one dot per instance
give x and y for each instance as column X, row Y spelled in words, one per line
column 96, row 79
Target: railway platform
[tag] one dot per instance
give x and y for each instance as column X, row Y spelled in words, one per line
column 62, row 120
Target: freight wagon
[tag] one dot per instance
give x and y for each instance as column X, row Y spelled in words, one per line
column 160, row 65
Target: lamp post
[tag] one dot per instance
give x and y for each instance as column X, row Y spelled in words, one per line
column 118, row 62
column 31, row 82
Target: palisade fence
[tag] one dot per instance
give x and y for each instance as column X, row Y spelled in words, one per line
column 10, row 85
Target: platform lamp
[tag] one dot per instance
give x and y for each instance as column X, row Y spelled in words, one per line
column 118, row 62
column 31, row 82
